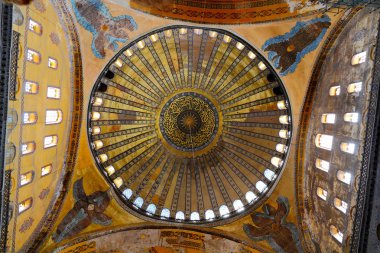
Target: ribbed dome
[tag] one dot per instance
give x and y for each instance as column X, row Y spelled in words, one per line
column 189, row 125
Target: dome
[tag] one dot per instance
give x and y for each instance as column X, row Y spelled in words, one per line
column 188, row 121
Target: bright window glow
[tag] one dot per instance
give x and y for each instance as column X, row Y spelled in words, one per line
column 227, row 38
column 53, row 117
column 95, row 115
column 261, row 186
column 127, row 193
column 340, row 205
column 26, row 178
column 322, row 164
column 98, row 144
column 138, row 202
column 110, row 170
column 52, row 63
column 336, row 233
column 343, row 176
column 98, row 102
column 328, row 118
column 25, row 205
column 277, row 162
column 194, row 216
column 165, row 213
column 182, row 31
column 321, row 193
column 284, row 134
column 31, row 87
column 50, row 141
column 223, row 210
column 334, row 91
column 354, row 87
column 209, row 215
column 281, row 148
column 29, row 118
column 33, row 56
column 198, row 31
column 284, row 119
column 251, row 55
column 35, row 27
column 238, row 205
column 46, row 170
column 153, row 37
column 129, row 52
column 270, row 175
column 27, row 148
column 141, row 44
column 281, row 105
column 359, row 58
column 262, row 66
column 151, row 208
column 168, row 33
column 118, row 182
column 347, row 147
column 239, row 46
column 103, row 158
column 53, row 92
column 179, row 215
column 95, row 130
column 250, row 196
column 213, row 34
column 119, row 63
column 351, row 117
column 324, row 141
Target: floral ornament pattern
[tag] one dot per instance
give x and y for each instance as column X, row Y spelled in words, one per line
column 87, row 209
column 286, row 51
column 271, row 226
column 106, row 30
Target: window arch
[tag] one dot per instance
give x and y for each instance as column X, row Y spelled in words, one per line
column 324, row 141
column 119, row 182
column 179, row 215
column 334, row 231
column 322, row 164
column 340, row 205
column 138, row 202
column 321, row 193
column 25, row 205
column 52, row 63
column 355, row 87
column 127, row 193
column 343, row 176
column 352, row 117
column 347, row 147
column 53, row 117
column 29, row 117
column 284, row 134
column 53, row 92
column 98, row 102
column 33, row 56
column 31, row 87
column 165, row 213
column 261, row 186
column 250, row 196
column 103, row 158
column 98, row 144
column 238, row 205
column 46, row 170
column 334, row 91
column 270, row 175
column 194, row 216
column 328, row 118
column 50, row 141
column 276, row 161
column 35, row 27
column 284, row 119
column 209, row 215
column 223, row 210
column 151, row 208
column 282, row 148
column 110, row 170
column 26, row 178
column 359, row 58
column 28, row 148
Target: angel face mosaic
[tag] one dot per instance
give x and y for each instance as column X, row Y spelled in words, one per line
column 190, row 125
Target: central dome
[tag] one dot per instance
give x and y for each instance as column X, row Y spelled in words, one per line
column 189, row 125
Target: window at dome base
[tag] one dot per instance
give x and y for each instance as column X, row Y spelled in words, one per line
column 178, row 128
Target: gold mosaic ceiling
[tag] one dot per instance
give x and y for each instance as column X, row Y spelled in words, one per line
column 189, row 124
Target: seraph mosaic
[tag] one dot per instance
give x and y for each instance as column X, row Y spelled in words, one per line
column 271, row 225
column 286, row 51
column 107, row 31
column 87, row 209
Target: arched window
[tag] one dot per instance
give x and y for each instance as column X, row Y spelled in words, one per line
column 95, row 115
column 238, row 205
column 359, row 58
column 281, row 148
column 347, row 147
column 239, row 46
column 281, row 105
column 352, row 117
column 334, row 231
column 227, row 39
column 251, row 55
column 119, row 182
column 322, row 164
column 138, row 202
column 31, row 87
column 97, row 144
column 35, row 27
column 250, row 196
column 118, row 63
column 262, row 66
column 328, row 118
column 321, row 193
column 25, row 205
column 223, row 210
column 179, row 215
column 324, row 141
column 354, row 87
column 277, row 162
column 10, row 153
column 284, row 119
column 33, row 56
column 194, row 216
column 151, row 208
column 53, row 117
column 209, row 215
column 26, row 178
column 165, row 213
column 334, row 91
column 50, row 141
column 141, row 44
column 28, row 148
column 284, row 134
column 98, row 102
column 343, row 176
column 270, row 175
column 261, row 186
column 110, row 170
column 340, row 205
column 52, row 63
column 127, row 193
column 95, row 130
column 29, row 117
column 103, row 158
column 53, row 92
column 46, row 170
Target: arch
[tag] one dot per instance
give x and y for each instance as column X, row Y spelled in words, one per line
column 322, row 193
